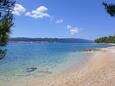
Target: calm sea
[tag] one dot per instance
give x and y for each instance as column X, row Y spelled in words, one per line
column 40, row 60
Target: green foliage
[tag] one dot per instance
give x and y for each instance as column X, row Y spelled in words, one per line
column 2, row 52
column 6, row 18
column 110, row 8
column 110, row 39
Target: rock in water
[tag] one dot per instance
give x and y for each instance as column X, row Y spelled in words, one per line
column 31, row 69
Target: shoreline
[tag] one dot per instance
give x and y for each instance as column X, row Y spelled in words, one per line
column 99, row 71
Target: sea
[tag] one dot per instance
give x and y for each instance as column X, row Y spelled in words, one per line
column 26, row 60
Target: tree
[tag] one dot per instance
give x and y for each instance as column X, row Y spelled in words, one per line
column 6, row 22
column 110, row 8
column 6, row 19
column 109, row 39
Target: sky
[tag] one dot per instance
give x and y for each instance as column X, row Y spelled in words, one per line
column 85, row 19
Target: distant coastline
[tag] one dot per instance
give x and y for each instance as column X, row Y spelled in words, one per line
column 49, row 40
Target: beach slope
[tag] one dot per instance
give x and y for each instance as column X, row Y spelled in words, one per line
column 99, row 71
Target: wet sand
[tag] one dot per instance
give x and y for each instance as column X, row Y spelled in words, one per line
column 99, row 71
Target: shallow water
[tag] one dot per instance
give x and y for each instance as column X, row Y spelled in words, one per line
column 39, row 60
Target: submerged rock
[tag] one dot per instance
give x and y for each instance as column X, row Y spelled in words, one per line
column 31, row 69
column 45, row 72
column 89, row 50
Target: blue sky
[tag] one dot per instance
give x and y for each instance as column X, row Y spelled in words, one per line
column 62, row 19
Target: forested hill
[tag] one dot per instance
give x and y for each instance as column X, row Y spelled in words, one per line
column 109, row 39
column 50, row 40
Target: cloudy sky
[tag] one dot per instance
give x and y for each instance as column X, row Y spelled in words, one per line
column 62, row 19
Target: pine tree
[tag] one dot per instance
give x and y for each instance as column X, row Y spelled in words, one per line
column 110, row 8
column 6, row 22
column 6, row 19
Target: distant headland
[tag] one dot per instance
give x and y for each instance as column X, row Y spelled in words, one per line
column 50, row 40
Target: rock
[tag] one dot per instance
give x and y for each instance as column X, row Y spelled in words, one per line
column 89, row 50
column 45, row 72
column 31, row 69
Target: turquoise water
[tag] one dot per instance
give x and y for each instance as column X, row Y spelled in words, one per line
column 38, row 60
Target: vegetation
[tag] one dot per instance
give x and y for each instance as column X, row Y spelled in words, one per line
column 110, row 8
column 110, row 39
column 6, row 17
column 2, row 53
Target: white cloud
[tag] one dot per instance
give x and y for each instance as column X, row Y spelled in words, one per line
column 69, row 26
column 59, row 21
column 40, row 12
column 72, row 30
column 18, row 9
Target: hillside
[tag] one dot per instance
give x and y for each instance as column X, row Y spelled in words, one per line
column 50, row 40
